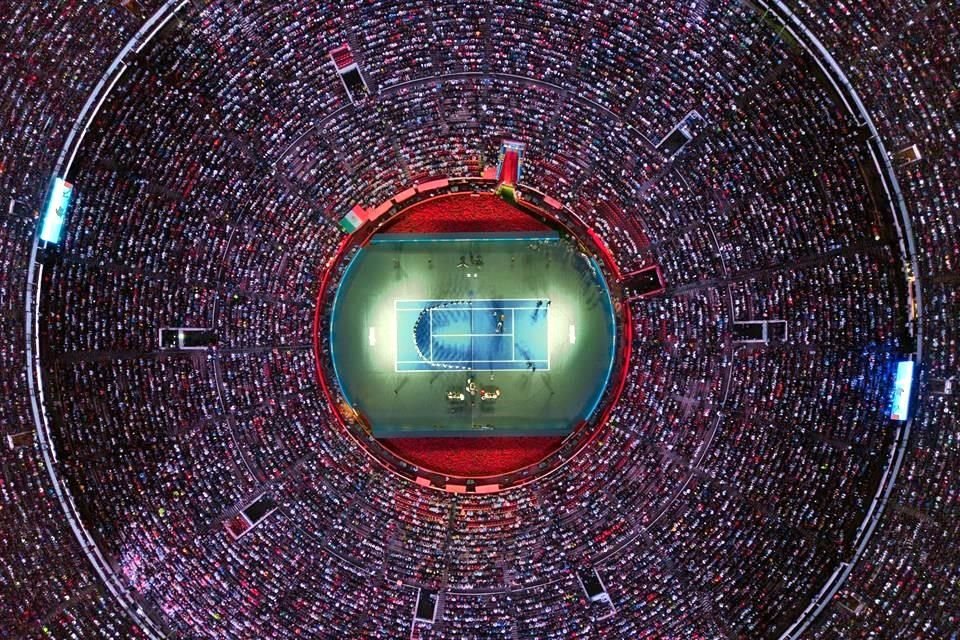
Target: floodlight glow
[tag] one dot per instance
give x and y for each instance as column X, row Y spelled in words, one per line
column 56, row 212
column 901, row 390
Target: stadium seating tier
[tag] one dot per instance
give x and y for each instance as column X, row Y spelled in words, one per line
column 730, row 480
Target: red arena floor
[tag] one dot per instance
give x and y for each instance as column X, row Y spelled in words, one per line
column 475, row 457
column 463, row 213
column 471, row 457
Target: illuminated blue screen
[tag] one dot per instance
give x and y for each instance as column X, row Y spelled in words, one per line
column 56, row 213
column 901, row 390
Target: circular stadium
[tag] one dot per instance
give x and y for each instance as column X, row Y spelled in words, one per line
column 470, row 355
column 431, row 320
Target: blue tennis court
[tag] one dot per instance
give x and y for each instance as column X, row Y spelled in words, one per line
column 465, row 335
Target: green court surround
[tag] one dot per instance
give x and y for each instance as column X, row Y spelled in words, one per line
column 363, row 336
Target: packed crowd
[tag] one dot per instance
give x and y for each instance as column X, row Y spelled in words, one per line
column 52, row 58
column 729, row 481
column 902, row 56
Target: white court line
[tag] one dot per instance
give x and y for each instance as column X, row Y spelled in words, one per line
column 513, row 326
column 473, row 335
column 468, row 300
column 431, row 335
column 455, row 310
column 459, row 362
column 396, row 330
column 460, row 367
column 547, row 311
